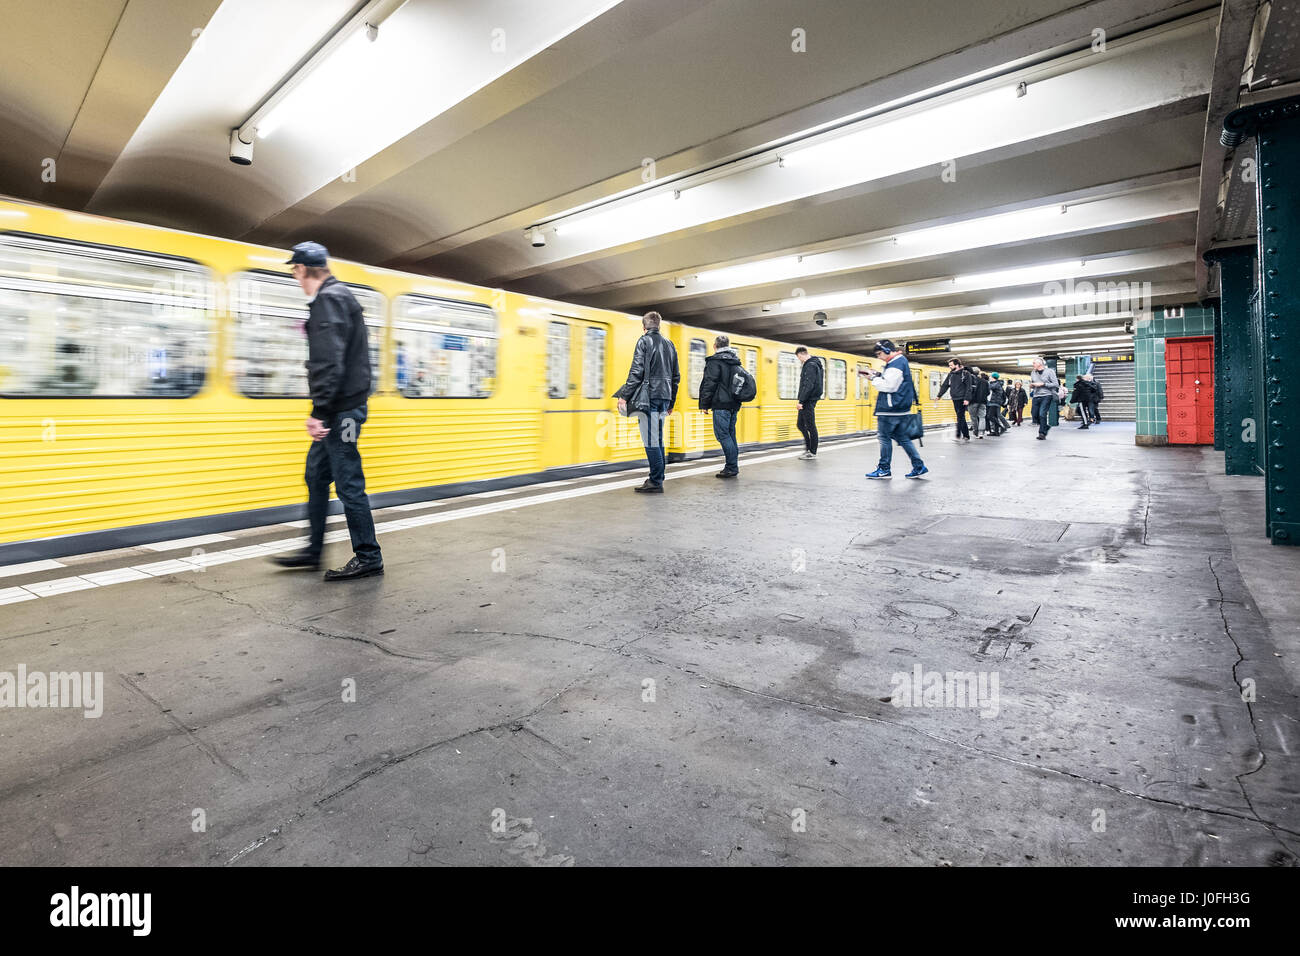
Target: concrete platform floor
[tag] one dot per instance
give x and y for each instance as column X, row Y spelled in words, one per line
column 699, row 678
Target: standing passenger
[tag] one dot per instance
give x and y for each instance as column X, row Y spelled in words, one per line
column 1082, row 399
column 1043, row 385
column 716, row 396
column 338, row 378
column 1098, row 393
column 810, row 392
column 997, row 398
column 1019, row 399
column 979, row 400
column 958, row 380
column 651, row 389
column 897, row 395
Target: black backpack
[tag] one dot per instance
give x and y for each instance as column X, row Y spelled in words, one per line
column 743, row 387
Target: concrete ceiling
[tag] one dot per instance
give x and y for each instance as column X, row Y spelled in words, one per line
column 469, row 123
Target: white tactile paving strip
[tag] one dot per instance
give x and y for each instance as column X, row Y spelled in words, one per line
column 201, row 558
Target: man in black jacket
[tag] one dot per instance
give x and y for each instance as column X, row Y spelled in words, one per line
column 651, row 390
column 1098, row 393
column 338, row 378
column 958, row 381
column 1082, row 397
column 810, row 392
column 716, row 396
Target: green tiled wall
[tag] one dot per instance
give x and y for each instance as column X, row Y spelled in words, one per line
column 1149, row 361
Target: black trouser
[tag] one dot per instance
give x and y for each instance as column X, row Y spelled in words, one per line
column 963, row 430
column 336, row 458
column 807, row 422
column 1095, row 411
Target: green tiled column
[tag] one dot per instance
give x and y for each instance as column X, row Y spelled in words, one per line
column 1218, row 379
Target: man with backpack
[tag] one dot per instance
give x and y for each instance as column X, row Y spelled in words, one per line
column 896, row 394
column 725, row 386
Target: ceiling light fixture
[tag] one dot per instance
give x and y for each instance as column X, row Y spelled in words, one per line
column 361, row 29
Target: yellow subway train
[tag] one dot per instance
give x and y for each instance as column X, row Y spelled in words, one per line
column 152, row 385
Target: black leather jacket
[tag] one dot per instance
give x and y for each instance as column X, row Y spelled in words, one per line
column 338, row 351
column 810, row 381
column 654, row 361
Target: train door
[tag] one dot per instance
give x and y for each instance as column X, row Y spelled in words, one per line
column 750, row 424
column 862, row 391
column 575, row 391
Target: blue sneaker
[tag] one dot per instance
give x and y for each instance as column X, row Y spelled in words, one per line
column 917, row 472
column 878, row 473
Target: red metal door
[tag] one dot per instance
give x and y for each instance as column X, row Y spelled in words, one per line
column 1189, row 384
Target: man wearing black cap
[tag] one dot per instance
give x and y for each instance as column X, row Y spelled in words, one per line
column 338, row 377
column 894, row 401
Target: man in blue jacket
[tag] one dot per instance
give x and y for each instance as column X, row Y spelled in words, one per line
column 338, row 378
column 896, row 394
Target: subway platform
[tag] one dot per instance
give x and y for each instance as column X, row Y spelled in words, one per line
column 571, row 674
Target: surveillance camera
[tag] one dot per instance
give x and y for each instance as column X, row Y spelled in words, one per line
column 820, row 318
column 536, row 237
column 679, row 283
column 240, row 152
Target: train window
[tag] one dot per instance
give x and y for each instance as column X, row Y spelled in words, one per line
column 837, row 379
column 557, row 360
column 695, row 371
column 751, row 362
column 269, row 351
column 787, row 375
column 444, row 349
column 99, row 322
column 936, row 383
column 593, row 364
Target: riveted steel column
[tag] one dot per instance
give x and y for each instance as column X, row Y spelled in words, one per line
column 1218, row 377
column 1234, row 358
column 1277, row 135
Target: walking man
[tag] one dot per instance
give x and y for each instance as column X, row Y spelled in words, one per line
column 958, row 381
column 1043, row 388
column 716, row 396
column 651, row 390
column 810, row 392
column 896, row 394
column 338, row 378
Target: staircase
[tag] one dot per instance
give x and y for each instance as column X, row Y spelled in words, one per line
column 1120, row 403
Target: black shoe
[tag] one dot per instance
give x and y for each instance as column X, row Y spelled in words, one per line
column 649, row 488
column 356, row 568
column 1042, row 438
column 727, row 474
column 302, row 560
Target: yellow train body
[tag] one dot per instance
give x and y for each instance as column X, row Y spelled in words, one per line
column 76, row 464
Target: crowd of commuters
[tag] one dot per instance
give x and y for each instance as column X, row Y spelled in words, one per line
column 985, row 403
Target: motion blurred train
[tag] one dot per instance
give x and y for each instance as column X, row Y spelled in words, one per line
column 152, row 385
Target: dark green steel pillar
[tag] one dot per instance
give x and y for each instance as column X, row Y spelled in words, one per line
column 1276, row 127
column 1218, row 377
column 1236, row 418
